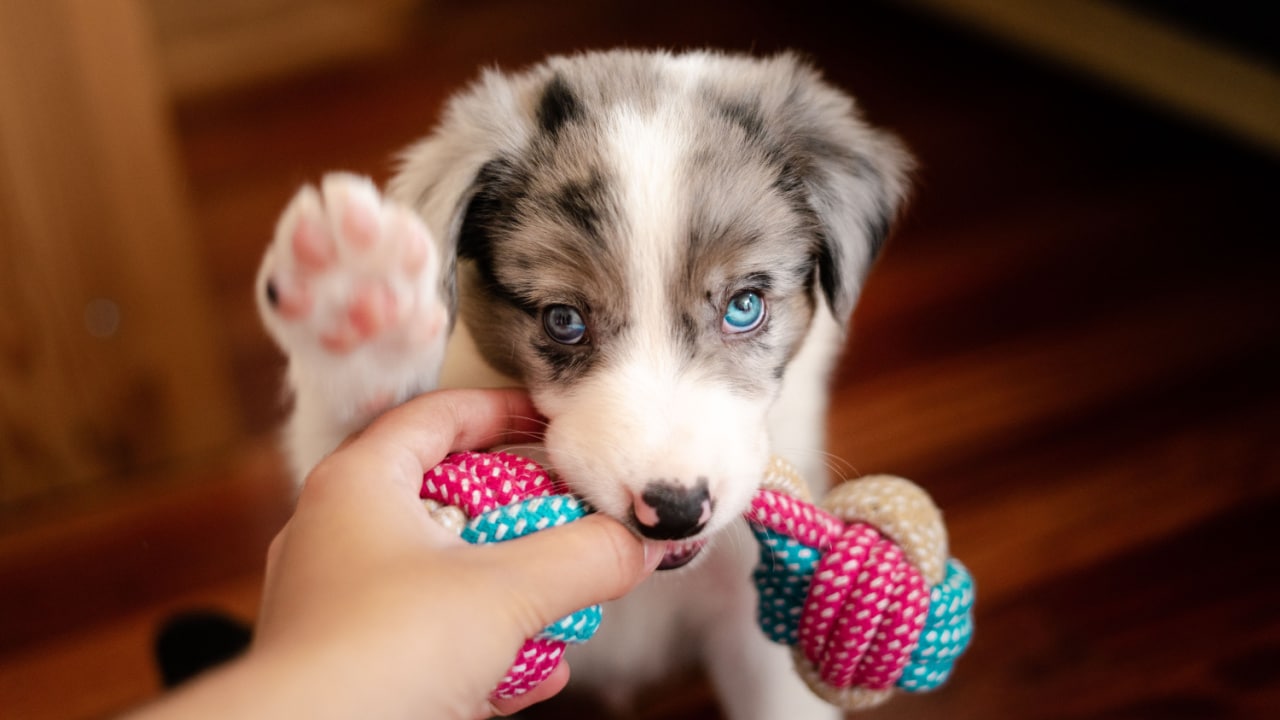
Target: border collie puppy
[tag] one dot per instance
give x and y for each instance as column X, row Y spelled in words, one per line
column 665, row 250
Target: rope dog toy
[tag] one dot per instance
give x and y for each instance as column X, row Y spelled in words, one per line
column 862, row 590
column 491, row 497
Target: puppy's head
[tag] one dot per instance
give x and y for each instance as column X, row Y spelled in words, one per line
column 644, row 240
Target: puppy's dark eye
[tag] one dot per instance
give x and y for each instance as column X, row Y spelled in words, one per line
column 744, row 313
column 564, row 324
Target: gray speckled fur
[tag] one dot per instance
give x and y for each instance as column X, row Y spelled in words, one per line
column 780, row 180
column 768, row 180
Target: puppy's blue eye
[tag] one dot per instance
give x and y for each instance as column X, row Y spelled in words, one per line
column 744, row 313
column 564, row 324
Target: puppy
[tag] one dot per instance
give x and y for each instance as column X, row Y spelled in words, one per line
column 665, row 250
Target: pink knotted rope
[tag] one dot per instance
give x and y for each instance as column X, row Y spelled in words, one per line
column 795, row 518
column 866, row 606
column 850, row 600
column 481, row 484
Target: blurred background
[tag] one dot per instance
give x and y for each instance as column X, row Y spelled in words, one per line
column 1071, row 341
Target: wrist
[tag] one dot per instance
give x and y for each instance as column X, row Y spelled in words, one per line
column 277, row 683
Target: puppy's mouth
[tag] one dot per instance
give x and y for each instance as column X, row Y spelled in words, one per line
column 681, row 553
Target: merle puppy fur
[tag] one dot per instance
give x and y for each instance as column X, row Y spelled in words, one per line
column 665, row 249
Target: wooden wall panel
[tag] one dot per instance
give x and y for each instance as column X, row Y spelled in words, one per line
column 207, row 47
column 1177, row 68
column 109, row 354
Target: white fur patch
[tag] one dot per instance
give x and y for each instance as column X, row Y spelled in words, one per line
column 650, row 407
column 650, row 415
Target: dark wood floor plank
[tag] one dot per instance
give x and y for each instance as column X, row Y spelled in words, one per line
column 1043, row 263
column 1181, row 628
column 1043, row 522
column 936, row 413
column 142, row 547
column 106, row 668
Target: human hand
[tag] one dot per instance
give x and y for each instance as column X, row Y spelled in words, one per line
column 372, row 609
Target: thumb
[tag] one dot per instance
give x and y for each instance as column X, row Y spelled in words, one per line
column 556, row 572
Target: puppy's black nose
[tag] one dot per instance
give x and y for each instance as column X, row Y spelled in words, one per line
column 670, row 511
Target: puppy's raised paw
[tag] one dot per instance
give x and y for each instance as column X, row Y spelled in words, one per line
column 349, row 271
column 350, row 289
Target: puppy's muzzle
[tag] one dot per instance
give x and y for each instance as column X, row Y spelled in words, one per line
column 668, row 510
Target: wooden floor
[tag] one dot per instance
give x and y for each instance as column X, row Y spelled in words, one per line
column 1073, row 341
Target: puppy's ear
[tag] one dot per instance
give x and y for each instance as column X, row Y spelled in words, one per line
column 857, row 196
column 853, row 178
column 453, row 177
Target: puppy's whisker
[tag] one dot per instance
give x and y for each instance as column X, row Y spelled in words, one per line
column 497, row 439
column 522, row 449
column 534, row 420
column 838, row 467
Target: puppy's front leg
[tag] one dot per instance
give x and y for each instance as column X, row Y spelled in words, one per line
column 350, row 289
column 755, row 678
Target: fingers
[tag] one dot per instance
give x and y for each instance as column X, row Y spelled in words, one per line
column 550, row 574
column 417, row 435
column 553, row 573
column 458, row 420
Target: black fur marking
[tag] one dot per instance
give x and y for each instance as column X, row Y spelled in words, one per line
column 817, row 150
column 829, row 272
column 761, row 281
column 808, row 279
column 583, row 204
column 557, row 107
column 564, row 363
column 829, row 254
column 485, row 212
column 789, row 183
column 687, row 333
column 793, row 189
column 876, row 226
column 489, row 215
column 745, row 115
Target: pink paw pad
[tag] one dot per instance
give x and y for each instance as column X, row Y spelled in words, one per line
column 369, row 312
column 349, row 268
column 312, row 244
